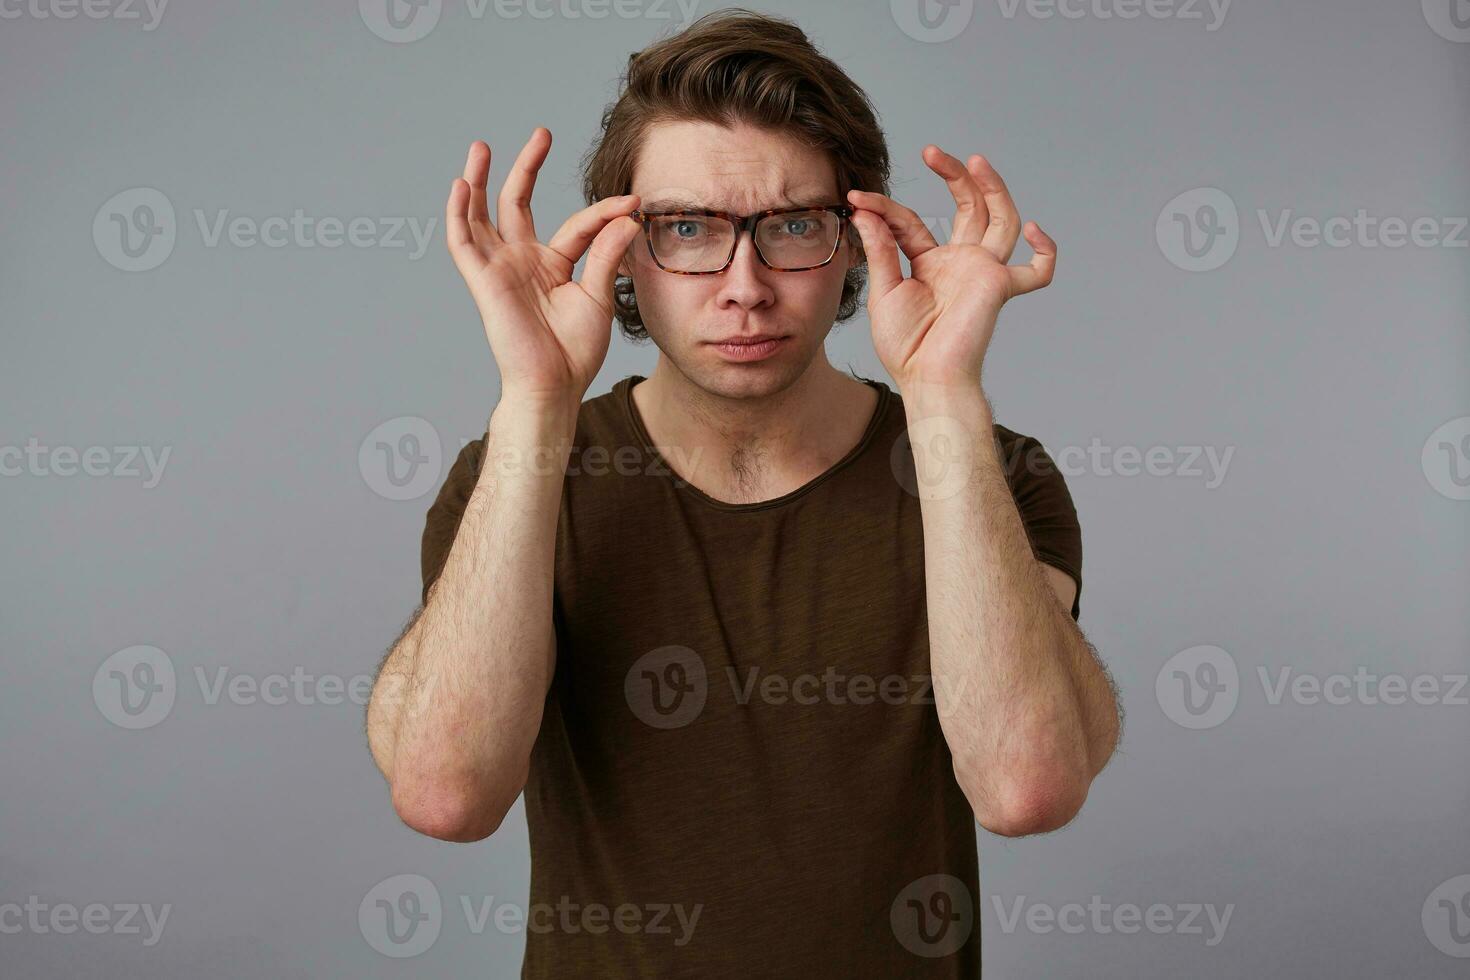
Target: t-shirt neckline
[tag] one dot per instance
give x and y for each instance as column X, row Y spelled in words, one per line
column 630, row 411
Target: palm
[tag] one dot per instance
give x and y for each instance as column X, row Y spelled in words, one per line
column 926, row 322
column 548, row 333
column 935, row 325
column 545, row 331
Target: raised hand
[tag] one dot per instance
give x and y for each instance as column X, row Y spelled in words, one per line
column 934, row 327
column 548, row 334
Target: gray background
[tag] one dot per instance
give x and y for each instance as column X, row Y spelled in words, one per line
column 266, row 547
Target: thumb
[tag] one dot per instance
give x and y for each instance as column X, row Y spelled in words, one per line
column 603, row 256
column 884, row 272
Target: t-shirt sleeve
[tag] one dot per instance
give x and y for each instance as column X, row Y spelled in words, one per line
column 1045, row 505
column 441, row 524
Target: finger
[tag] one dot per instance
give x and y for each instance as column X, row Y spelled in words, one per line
column 456, row 214
column 1038, row 273
column 513, row 207
column 457, row 232
column 1004, row 225
column 907, row 230
column 573, row 237
column 603, row 256
column 884, row 272
column 970, row 216
column 476, row 172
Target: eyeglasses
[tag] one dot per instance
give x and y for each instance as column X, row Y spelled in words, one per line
column 699, row 242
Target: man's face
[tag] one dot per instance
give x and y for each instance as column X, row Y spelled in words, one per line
column 740, row 169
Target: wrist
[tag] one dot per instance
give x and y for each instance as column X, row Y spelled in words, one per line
column 961, row 398
column 530, row 439
column 539, row 411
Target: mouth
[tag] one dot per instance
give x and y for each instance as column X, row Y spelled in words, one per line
column 754, row 347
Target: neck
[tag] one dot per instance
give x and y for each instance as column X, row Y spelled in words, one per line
column 756, row 447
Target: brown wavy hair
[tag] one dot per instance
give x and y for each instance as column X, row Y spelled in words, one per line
column 736, row 66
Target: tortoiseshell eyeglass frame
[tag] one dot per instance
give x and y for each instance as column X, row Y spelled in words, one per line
column 742, row 223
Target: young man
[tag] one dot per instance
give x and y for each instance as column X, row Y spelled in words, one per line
column 759, row 641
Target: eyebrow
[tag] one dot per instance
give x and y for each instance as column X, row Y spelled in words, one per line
column 686, row 204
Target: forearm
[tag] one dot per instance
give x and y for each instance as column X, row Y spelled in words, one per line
column 458, row 702
column 1025, row 708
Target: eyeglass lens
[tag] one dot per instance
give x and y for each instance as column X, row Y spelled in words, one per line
column 702, row 243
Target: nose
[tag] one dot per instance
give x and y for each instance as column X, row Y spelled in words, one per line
column 746, row 283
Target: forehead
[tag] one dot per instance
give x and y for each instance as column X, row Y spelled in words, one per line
column 738, row 168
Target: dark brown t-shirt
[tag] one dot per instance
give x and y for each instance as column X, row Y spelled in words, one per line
column 740, row 770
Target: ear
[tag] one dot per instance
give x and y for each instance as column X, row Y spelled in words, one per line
column 854, row 244
column 625, row 264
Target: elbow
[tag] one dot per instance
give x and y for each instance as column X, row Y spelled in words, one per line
column 459, row 814
column 1024, row 807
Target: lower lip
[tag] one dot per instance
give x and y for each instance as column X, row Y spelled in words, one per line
column 750, row 352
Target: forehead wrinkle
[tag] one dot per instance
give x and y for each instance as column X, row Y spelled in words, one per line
column 782, row 199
